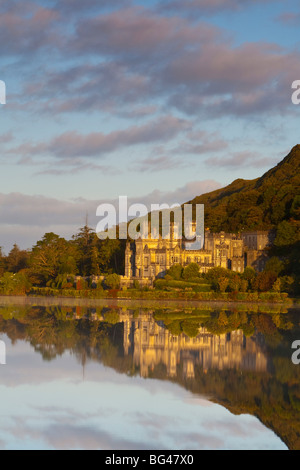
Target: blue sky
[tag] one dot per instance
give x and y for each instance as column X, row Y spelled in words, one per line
column 157, row 100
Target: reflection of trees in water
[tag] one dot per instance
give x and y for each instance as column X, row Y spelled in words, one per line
column 272, row 393
column 54, row 331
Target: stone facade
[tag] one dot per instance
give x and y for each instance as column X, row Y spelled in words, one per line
column 256, row 244
column 149, row 259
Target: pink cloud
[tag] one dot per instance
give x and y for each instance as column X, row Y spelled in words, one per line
column 26, row 30
column 73, row 144
column 159, row 163
column 208, row 6
column 225, row 68
column 242, row 159
column 289, row 18
column 136, row 30
column 135, row 59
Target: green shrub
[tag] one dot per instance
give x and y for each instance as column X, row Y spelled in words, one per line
column 163, row 284
column 112, row 317
column 175, row 271
column 112, row 281
column 191, row 271
column 14, row 284
column 136, row 284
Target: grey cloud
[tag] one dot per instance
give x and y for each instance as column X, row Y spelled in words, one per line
column 148, row 59
column 74, row 166
column 73, row 144
column 182, row 194
column 25, row 219
column 27, row 28
column 106, row 86
column 78, row 7
column 289, row 18
column 222, row 68
column 6, row 138
column 242, row 159
column 133, row 32
column 159, row 163
column 207, row 6
column 19, row 209
column 201, row 143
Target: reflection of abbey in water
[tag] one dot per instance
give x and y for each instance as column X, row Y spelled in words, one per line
column 151, row 344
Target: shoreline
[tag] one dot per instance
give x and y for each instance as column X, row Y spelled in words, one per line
column 135, row 302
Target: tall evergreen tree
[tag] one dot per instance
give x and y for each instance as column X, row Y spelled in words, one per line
column 86, row 243
column 16, row 260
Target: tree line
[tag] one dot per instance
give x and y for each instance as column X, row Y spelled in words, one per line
column 53, row 260
column 53, row 257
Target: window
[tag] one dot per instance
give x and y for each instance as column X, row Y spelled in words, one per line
column 145, row 335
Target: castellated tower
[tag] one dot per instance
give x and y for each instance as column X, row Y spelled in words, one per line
column 150, row 256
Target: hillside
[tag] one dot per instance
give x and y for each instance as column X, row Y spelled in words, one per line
column 259, row 204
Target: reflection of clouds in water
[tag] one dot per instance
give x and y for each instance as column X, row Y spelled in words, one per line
column 72, row 430
column 109, row 416
column 236, row 428
column 66, row 436
column 70, row 437
column 199, row 441
column 153, row 422
column 164, row 425
column 69, row 415
column 49, row 405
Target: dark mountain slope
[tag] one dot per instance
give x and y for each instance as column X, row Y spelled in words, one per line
column 259, row 204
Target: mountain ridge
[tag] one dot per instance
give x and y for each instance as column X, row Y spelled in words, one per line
column 258, row 204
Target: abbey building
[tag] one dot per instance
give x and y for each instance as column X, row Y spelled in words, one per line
column 149, row 259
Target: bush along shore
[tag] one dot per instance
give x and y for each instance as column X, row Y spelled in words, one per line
column 154, row 294
column 214, row 288
column 178, row 283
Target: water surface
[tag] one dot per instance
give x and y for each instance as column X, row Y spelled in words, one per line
column 123, row 378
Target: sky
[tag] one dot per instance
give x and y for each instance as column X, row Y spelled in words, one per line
column 160, row 101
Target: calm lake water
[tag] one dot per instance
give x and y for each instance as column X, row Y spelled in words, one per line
column 115, row 378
